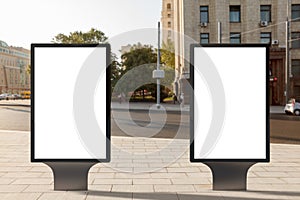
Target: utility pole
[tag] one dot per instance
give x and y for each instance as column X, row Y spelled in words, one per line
column 158, row 74
column 287, row 55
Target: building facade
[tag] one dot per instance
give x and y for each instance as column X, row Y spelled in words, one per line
column 13, row 64
column 239, row 21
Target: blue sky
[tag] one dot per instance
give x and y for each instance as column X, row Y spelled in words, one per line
column 32, row 21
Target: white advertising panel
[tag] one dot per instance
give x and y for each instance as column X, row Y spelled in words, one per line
column 56, row 133
column 230, row 92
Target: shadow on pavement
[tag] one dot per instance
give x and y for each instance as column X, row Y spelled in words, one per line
column 204, row 196
column 284, row 193
column 17, row 110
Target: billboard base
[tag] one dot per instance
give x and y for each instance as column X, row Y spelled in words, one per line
column 70, row 175
column 229, row 175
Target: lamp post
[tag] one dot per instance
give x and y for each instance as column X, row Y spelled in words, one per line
column 287, row 55
column 158, row 74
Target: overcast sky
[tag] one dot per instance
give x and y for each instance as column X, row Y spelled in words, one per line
column 32, row 21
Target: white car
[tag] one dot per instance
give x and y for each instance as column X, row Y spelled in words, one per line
column 292, row 107
column 3, row 96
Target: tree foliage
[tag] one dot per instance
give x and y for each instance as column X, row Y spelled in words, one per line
column 138, row 56
column 116, row 71
column 168, row 54
column 138, row 65
column 78, row 37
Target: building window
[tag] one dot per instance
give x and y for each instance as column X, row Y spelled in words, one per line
column 296, row 12
column 169, row 15
column 169, row 33
column 235, row 13
column 265, row 13
column 168, row 6
column 265, row 38
column 296, row 68
column 204, row 14
column 204, row 38
column 296, row 40
column 235, row 38
column 169, row 24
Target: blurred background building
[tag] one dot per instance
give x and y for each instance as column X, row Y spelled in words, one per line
column 14, row 61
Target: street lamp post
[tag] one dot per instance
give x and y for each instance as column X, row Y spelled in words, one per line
column 287, row 55
column 158, row 74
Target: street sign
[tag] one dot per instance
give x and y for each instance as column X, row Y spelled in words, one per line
column 62, row 119
column 230, row 116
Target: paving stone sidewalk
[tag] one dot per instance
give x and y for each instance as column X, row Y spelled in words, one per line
column 144, row 168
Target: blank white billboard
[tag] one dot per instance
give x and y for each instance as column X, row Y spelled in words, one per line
column 230, row 92
column 56, row 134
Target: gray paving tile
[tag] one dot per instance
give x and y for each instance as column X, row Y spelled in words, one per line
column 64, row 196
column 32, row 181
column 20, row 179
column 95, row 195
column 20, row 196
column 155, row 196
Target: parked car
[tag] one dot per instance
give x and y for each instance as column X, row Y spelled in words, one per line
column 14, row 96
column 292, row 107
column 3, row 96
column 25, row 94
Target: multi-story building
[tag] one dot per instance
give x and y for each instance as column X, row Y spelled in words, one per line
column 13, row 64
column 238, row 21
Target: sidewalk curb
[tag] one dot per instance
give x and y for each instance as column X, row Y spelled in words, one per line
column 20, row 105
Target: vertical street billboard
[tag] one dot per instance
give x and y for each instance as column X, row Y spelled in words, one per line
column 230, row 103
column 70, row 102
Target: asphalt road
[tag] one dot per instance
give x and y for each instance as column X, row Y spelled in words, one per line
column 176, row 124
column 283, row 128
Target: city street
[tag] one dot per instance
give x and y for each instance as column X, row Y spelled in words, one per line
column 141, row 118
column 150, row 100
column 284, row 128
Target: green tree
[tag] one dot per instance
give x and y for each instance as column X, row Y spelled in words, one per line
column 138, row 56
column 168, row 54
column 116, row 71
column 78, row 37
